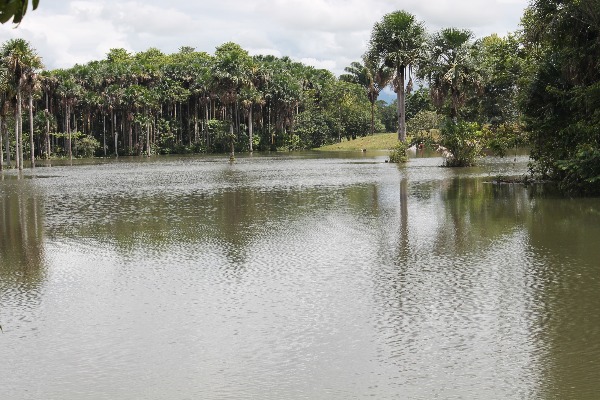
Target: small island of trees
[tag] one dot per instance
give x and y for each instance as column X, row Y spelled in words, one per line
column 538, row 86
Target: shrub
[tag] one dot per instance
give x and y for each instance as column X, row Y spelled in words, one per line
column 582, row 171
column 424, row 127
column 398, row 153
column 464, row 141
column 503, row 137
column 85, row 146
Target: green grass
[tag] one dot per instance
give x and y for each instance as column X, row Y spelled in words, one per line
column 379, row 141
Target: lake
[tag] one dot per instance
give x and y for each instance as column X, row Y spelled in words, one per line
column 295, row 276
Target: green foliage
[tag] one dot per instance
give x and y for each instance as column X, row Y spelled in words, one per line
column 219, row 132
column 417, row 101
column 310, row 130
column 561, row 100
column 86, row 146
column 398, row 153
column 451, row 70
column 501, row 62
column 501, row 138
column 581, row 173
column 389, row 115
column 424, row 127
column 464, row 141
column 15, row 9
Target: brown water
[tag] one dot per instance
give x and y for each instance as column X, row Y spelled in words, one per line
column 295, row 277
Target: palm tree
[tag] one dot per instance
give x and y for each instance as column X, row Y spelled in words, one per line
column 22, row 63
column 31, row 85
column 4, row 104
column 398, row 41
column 231, row 67
column 451, row 69
column 374, row 75
column 70, row 92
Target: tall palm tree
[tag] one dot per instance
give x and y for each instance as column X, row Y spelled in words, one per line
column 398, row 40
column 451, row 69
column 373, row 75
column 31, row 85
column 70, row 92
column 22, row 63
column 230, row 72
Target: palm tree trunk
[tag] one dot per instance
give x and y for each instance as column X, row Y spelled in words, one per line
column 195, row 120
column 401, row 105
column 68, row 118
column 20, row 129
column 47, row 136
column 1, row 151
column 250, row 129
column 148, row 139
column 130, row 136
column 104, row 133
column 7, row 144
column 17, row 109
column 115, row 134
column 372, row 118
column 231, row 136
column 31, row 147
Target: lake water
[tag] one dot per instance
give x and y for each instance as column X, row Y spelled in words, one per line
column 302, row 276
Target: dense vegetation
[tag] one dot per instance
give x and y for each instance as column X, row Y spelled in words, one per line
column 561, row 99
column 190, row 101
column 538, row 86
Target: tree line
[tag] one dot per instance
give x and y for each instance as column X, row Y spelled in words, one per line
column 190, row 101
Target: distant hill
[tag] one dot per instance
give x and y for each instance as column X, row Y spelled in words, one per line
column 387, row 95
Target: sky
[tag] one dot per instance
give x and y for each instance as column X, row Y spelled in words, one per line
column 326, row 34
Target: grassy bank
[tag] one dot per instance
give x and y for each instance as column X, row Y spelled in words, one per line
column 379, row 141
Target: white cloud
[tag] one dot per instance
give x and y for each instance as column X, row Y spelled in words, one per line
column 324, row 33
column 321, row 64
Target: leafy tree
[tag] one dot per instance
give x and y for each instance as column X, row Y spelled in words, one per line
column 561, row 102
column 178, row 103
column 501, row 64
column 15, row 9
column 424, row 126
column 417, row 101
column 398, row 40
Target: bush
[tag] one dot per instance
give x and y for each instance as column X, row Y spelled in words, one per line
column 85, row 146
column 464, row 141
column 398, row 153
column 503, row 137
column 582, row 171
column 424, row 127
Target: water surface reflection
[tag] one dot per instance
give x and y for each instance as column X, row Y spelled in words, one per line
column 299, row 276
